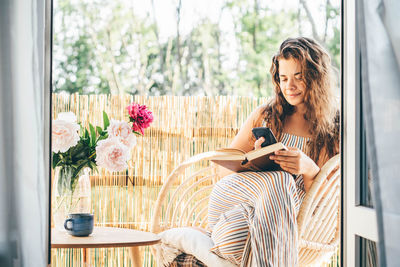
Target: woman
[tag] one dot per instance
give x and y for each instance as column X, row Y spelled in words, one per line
column 254, row 213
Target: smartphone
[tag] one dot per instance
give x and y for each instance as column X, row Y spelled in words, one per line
column 266, row 133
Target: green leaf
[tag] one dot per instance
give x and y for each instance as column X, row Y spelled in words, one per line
column 106, row 121
column 85, row 141
column 56, row 160
column 79, row 168
column 92, row 134
column 99, row 130
column 102, row 137
column 80, row 151
column 86, row 135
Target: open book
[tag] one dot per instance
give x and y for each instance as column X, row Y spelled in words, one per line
column 255, row 160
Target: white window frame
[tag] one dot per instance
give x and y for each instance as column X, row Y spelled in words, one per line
column 47, row 114
column 356, row 220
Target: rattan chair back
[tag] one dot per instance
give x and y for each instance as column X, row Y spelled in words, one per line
column 183, row 201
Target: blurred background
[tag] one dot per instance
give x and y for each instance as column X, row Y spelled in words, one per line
column 181, row 47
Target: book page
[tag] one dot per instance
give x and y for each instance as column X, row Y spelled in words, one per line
column 265, row 151
column 231, row 150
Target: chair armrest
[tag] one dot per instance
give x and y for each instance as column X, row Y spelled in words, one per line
column 155, row 222
column 329, row 168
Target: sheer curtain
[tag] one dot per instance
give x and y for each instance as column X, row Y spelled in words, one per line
column 23, row 132
column 380, row 22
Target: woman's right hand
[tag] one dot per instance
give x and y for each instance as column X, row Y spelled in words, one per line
column 258, row 142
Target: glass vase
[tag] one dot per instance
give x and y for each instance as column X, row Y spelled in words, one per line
column 70, row 194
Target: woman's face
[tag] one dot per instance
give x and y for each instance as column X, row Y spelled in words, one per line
column 292, row 83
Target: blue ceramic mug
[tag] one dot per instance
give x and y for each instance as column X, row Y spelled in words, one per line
column 79, row 224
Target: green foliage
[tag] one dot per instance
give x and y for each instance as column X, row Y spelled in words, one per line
column 105, row 47
column 92, row 134
column 333, row 46
column 260, row 33
column 106, row 121
column 80, row 156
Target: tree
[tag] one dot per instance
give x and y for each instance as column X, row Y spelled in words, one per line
column 103, row 46
column 259, row 31
column 332, row 43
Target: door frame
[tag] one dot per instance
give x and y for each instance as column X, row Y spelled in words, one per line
column 357, row 220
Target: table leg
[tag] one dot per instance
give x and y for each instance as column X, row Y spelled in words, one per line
column 136, row 258
column 84, row 256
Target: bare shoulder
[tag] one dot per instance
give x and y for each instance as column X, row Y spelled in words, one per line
column 258, row 111
column 244, row 139
column 258, row 115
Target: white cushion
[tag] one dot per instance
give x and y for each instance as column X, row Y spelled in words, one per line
column 191, row 241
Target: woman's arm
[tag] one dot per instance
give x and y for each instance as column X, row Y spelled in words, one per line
column 295, row 161
column 244, row 138
column 308, row 178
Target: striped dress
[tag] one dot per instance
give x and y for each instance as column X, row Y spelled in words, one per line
column 253, row 214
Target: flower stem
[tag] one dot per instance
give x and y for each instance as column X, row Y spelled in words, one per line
column 59, row 203
column 91, row 156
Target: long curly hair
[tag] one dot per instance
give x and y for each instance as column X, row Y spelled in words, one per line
column 321, row 113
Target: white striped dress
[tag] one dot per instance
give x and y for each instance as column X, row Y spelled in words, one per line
column 254, row 214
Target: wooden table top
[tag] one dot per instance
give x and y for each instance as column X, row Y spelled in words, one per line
column 103, row 237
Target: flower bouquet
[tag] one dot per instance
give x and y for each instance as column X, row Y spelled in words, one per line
column 77, row 150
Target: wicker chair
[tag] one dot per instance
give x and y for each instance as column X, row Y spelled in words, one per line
column 183, row 201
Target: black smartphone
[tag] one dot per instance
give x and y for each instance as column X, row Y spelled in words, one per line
column 266, row 133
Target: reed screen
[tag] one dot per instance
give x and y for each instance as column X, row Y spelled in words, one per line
column 182, row 127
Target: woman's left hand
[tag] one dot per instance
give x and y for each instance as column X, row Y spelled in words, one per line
column 296, row 162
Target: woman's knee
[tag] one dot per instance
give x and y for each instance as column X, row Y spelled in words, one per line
column 278, row 186
column 230, row 235
column 231, row 179
column 225, row 190
column 222, row 199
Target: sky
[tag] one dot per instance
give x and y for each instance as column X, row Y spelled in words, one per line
column 194, row 10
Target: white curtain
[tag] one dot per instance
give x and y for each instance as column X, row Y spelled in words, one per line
column 23, row 131
column 380, row 61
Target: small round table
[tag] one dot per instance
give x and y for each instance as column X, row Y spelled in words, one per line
column 105, row 237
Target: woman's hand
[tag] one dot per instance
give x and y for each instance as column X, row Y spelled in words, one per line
column 296, row 162
column 258, row 142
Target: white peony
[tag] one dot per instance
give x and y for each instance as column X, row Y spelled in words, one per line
column 67, row 116
column 64, row 135
column 123, row 131
column 112, row 155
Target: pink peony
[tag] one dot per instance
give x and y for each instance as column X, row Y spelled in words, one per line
column 112, row 155
column 133, row 110
column 140, row 117
column 64, row 135
column 122, row 130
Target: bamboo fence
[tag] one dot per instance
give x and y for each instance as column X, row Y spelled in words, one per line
column 182, row 127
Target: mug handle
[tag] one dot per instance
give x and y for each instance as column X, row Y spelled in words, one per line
column 65, row 224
